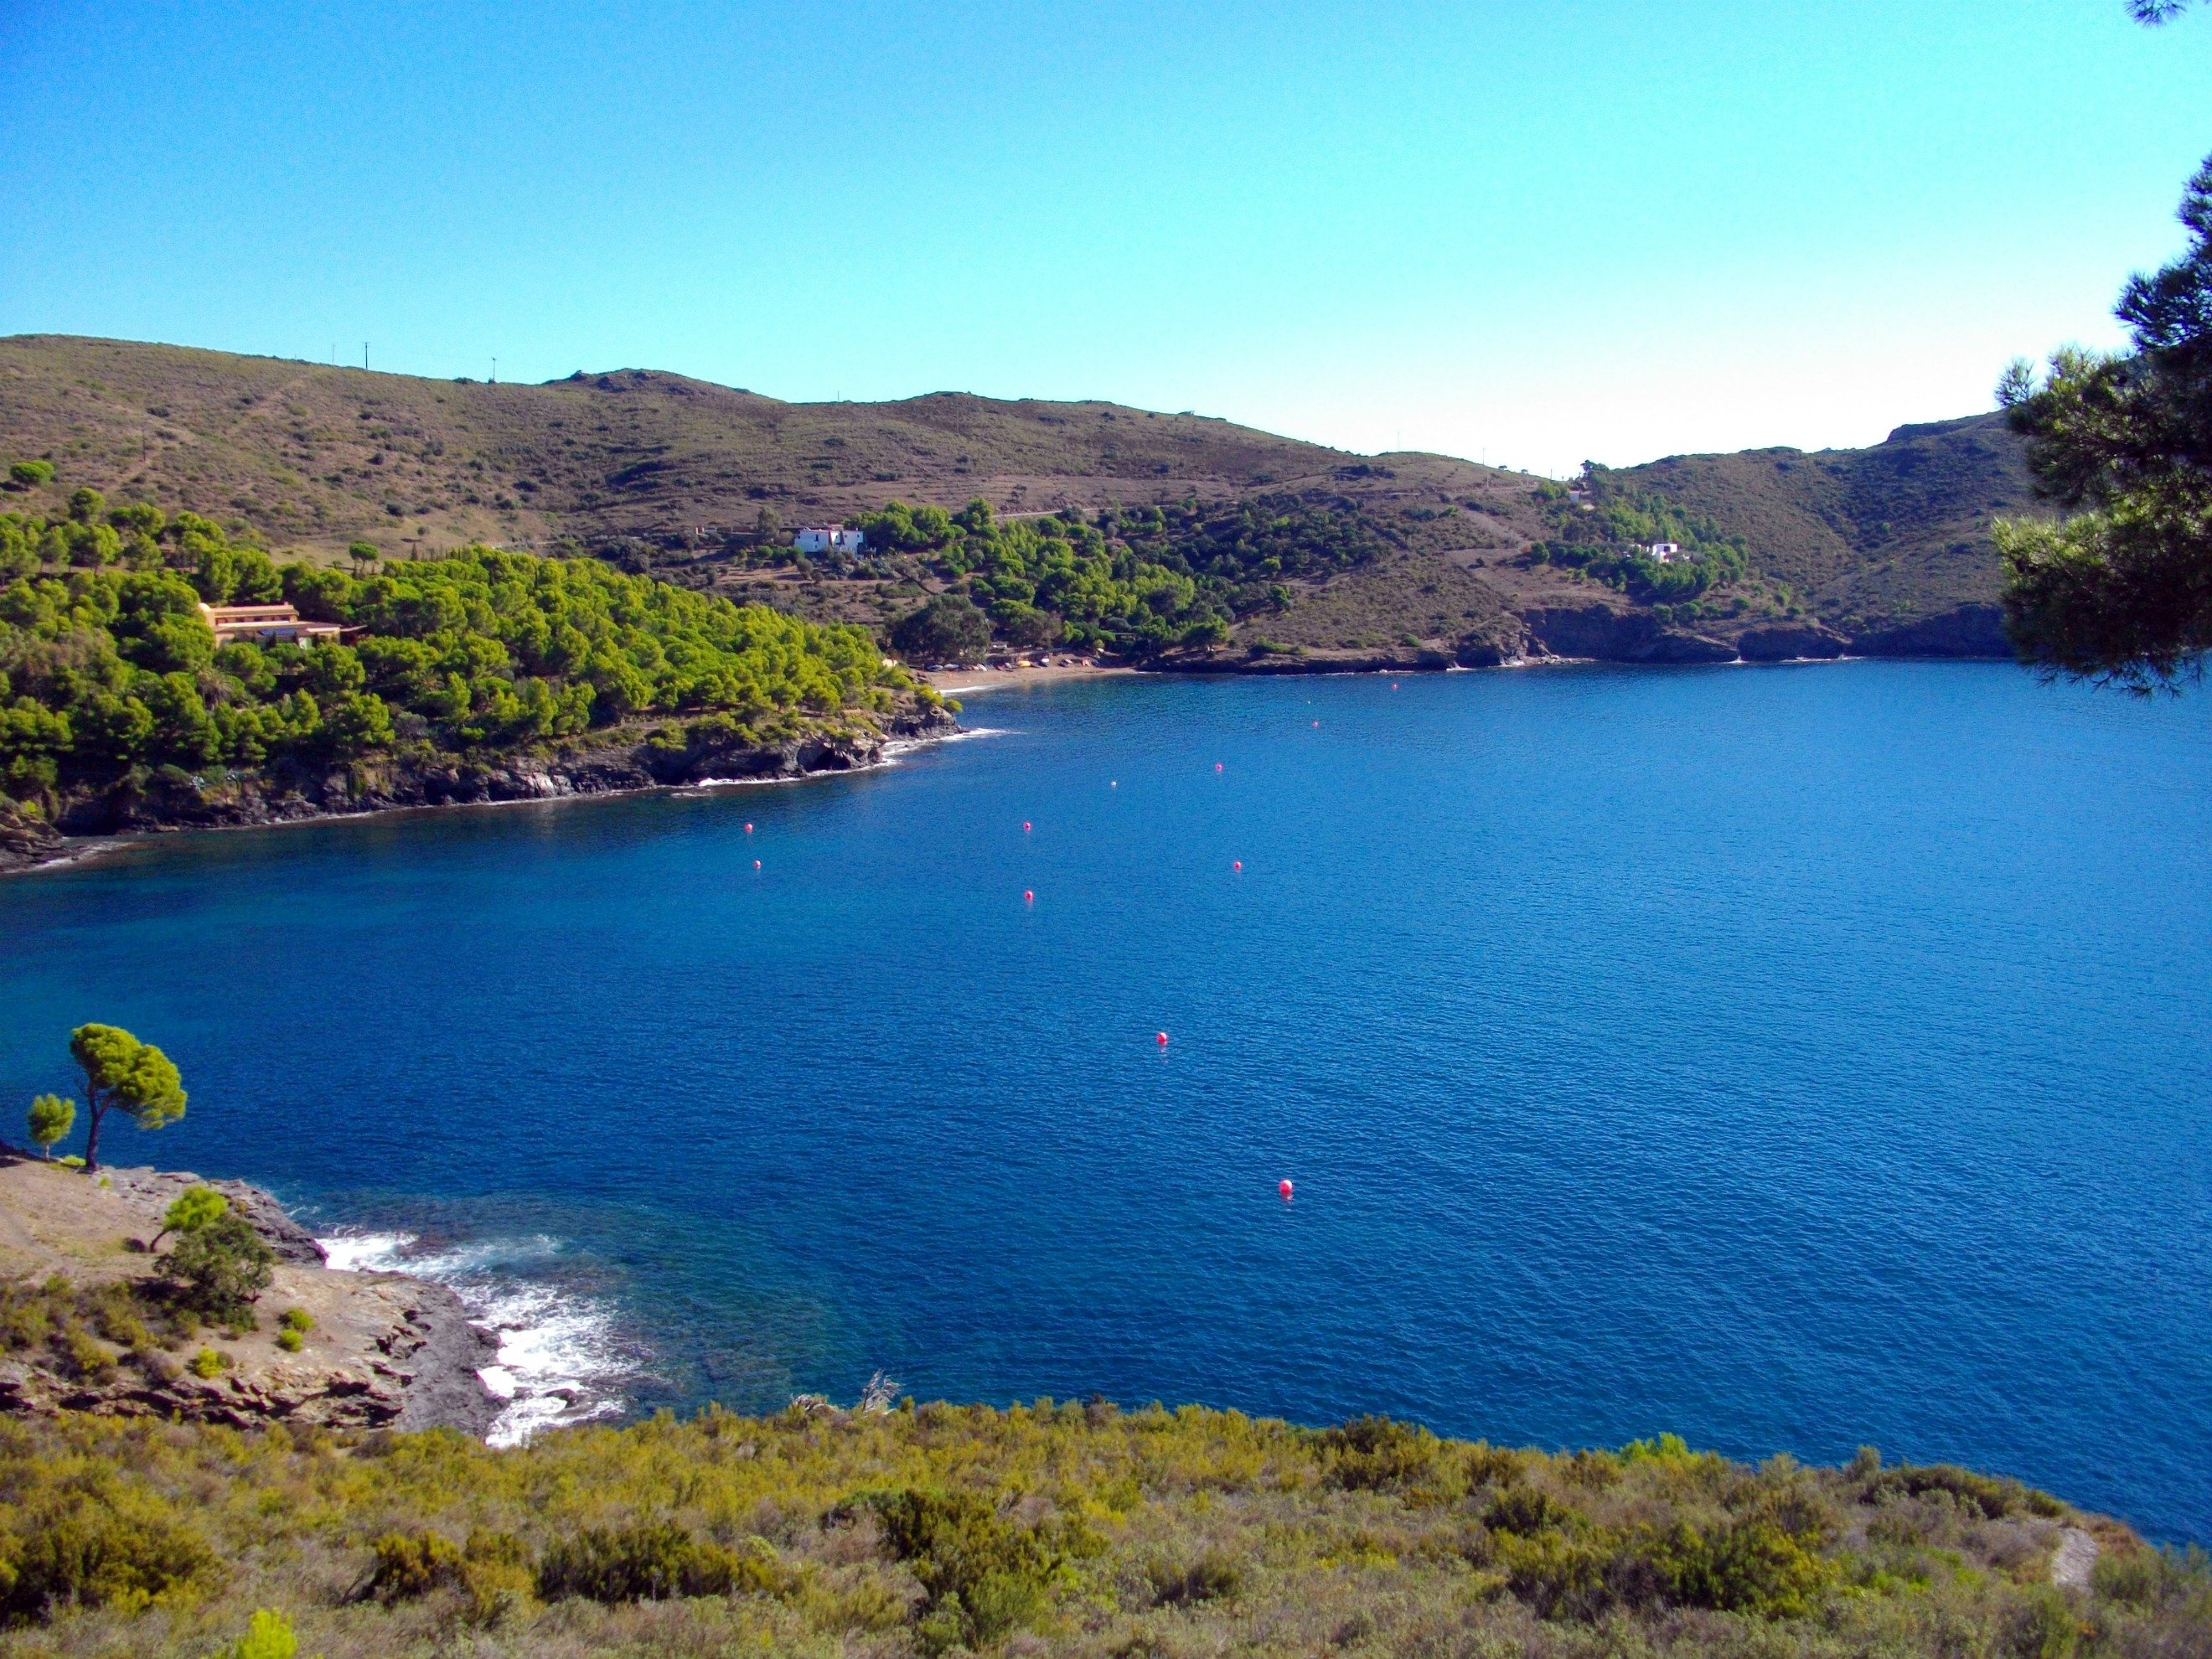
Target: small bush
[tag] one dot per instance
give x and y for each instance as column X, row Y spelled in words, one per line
column 298, row 1319
column 220, row 1266
column 2141, row 1579
column 1523, row 1511
column 88, row 1360
column 1376, row 1453
column 411, row 1565
column 210, row 1363
column 1212, row 1576
column 983, row 1576
column 268, row 1635
column 651, row 1561
column 28, row 474
column 291, row 1340
column 1994, row 1495
column 2043, row 1626
column 102, row 1543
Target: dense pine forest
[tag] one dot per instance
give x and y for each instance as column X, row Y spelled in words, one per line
column 106, row 664
column 1134, row 581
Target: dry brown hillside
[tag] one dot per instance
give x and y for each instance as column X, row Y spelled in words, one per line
column 313, row 456
column 1884, row 549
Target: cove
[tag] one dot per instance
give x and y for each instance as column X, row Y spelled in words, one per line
column 1789, row 1058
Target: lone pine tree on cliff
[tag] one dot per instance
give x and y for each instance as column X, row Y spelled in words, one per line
column 123, row 1074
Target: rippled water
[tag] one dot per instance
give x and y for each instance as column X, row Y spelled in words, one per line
column 1790, row 1058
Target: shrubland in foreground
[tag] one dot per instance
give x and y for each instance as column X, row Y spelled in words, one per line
column 1066, row 1528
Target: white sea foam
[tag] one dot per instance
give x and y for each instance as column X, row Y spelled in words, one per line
column 560, row 1359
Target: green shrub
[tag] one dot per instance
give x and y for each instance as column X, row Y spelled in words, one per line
column 100, row 1543
column 222, row 1266
column 408, row 1564
column 1375, row 1454
column 291, row 1340
column 1751, row 1565
column 2043, row 1626
column 1524, row 1511
column 981, row 1575
column 649, row 1561
column 298, row 1319
column 29, row 474
column 1556, row 1575
column 2133, row 1579
column 1211, row 1576
column 86, row 1358
column 1994, row 1495
column 268, row 1635
column 210, row 1363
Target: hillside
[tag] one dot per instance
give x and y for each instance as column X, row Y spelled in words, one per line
column 1882, row 550
column 1052, row 1527
column 1879, row 541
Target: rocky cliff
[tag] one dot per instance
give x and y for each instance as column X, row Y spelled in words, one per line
column 382, row 1351
column 144, row 801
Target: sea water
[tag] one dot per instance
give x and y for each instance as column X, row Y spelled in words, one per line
column 1790, row 1058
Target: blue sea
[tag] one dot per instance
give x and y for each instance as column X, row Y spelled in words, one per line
column 1790, row 1058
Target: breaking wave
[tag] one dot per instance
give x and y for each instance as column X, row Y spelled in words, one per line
column 562, row 1359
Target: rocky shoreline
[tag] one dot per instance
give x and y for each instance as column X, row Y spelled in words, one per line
column 385, row 1350
column 169, row 800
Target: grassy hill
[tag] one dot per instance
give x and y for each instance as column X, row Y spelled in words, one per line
column 1885, row 549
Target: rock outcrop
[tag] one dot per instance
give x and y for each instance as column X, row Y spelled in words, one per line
column 26, row 842
column 1969, row 630
column 381, row 1350
column 1789, row 643
column 1611, row 634
column 151, row 801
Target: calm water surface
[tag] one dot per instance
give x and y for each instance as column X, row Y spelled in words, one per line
column 1791, row 1058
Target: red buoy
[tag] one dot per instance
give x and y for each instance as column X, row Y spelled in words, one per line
column 1025, row 826
column 1284, row 1187
column 1028, row 897
column 1217, row 766
column 1394, row 685
column 1161, row 1038
column 755, row 864
column 1316, row 722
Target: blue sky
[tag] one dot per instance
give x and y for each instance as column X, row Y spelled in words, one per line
column 1528, row 232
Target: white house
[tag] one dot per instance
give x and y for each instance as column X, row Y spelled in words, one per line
column 1664, row 552
column 829, row 538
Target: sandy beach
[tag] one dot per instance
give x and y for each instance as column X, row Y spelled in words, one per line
column 969, row 682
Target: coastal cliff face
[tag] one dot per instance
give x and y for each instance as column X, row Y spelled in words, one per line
column 151, row 802
column 384, row 1350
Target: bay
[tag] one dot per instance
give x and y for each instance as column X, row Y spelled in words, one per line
column 1788, row 1058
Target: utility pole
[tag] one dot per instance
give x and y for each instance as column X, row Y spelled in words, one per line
column 364, row 354
column 495, row 371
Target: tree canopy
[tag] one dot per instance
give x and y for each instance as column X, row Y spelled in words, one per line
column 123, row 1074
column 1135, row 581
column 2121, row 592
column 106, row 662
column 51, row 1118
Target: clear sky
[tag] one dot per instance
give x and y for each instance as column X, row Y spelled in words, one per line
column 1534, row 232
